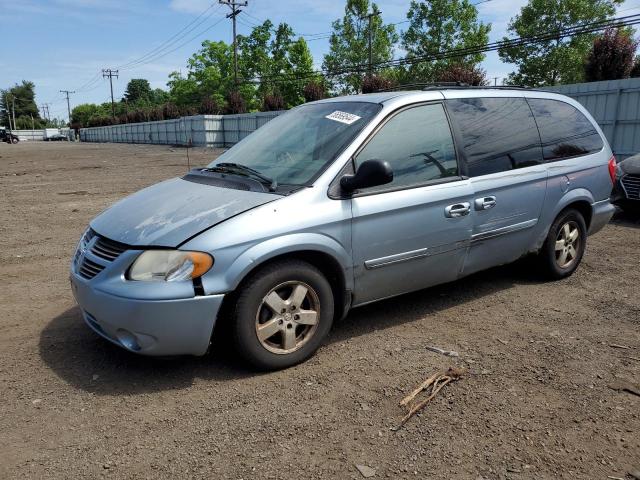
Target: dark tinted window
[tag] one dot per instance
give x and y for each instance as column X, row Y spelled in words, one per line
column 565, row 132
column 418, row 145
column 498, row 134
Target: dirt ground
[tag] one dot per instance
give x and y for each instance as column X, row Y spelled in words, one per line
column 536, row 402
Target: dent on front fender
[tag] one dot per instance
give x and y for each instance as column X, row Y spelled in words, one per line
column 227, row 277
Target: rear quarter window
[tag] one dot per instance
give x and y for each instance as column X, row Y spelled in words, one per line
column 498, row 134
column 565, row 132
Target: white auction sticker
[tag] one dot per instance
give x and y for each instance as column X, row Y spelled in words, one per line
column 343, row 117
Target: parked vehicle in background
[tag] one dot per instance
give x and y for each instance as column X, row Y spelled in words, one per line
column 626, row 194
column 53, row 135
column 8, row 137
column 340, row 203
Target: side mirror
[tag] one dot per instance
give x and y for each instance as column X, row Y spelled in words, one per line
column 370, row 174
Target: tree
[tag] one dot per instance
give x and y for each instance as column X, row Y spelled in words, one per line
column 84, row 114
column 349, row 45
column 22, row 98
column 138, row 91
column 558, row 60
column 442, row 25
column 612, row 56
column 464, row 73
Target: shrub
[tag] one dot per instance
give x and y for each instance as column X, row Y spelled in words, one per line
column 209, row 106
column 272, row 102
column 170, row 111
column 235, row 103
column 611, row 56
column 313, row 91
column 467, row 74
column 376, row 83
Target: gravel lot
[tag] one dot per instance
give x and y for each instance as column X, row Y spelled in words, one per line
column 536, row 402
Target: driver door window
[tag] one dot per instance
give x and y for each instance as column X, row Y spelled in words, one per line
column 418, row 145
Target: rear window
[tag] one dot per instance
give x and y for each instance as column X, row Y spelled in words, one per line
column 498, row 134
column 564, row 130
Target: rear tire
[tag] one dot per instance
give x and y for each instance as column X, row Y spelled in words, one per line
column 282, row 314
column 565, row 245
column 15, row 140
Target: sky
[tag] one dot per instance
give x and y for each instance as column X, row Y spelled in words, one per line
column 64, row 44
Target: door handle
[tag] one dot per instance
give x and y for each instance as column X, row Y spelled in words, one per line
column 457, row 210
column 485, row 203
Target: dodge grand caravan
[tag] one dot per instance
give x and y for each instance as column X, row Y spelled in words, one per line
column 339, row 203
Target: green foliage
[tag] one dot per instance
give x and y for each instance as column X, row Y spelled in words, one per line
column 554, row 61
column 349, row 45
column 138, row 92
column 22, row 96
column 439, row 25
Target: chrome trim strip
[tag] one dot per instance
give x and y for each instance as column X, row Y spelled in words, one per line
column 477, row 237
column 398, row 257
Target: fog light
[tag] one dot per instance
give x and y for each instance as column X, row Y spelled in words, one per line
column 127, row 339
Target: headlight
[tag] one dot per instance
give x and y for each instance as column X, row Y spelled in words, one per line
column 170, row 266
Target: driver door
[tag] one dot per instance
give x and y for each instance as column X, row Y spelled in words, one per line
column 413, row 232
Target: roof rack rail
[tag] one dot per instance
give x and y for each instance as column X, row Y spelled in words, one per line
column 448, row 85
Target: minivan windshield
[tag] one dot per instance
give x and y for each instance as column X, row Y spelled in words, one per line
column 294, row 147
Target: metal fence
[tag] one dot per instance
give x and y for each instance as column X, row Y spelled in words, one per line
column 615, row 105
column 198, row 130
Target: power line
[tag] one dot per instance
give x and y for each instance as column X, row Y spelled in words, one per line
column 165, row 53
column 161, row 50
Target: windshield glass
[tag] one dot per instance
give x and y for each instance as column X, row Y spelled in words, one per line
column 294, row 147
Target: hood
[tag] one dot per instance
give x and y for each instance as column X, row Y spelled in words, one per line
column 170, row 212
column 631, row 165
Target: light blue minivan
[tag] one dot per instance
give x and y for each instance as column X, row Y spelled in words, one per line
column 339, row 203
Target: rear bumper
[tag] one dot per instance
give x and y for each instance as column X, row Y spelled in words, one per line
column 601, row 214
column 149, row 327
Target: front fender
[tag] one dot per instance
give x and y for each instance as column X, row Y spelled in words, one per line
column 258, row 254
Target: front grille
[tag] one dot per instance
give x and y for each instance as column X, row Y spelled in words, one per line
column 108, row 249
column 631, row 185
column 89, row 269
column 100, row 249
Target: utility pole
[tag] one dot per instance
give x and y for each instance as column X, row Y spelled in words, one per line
column 6, row 105
column 234, row 13
column 45, row 111
column 107, row 72
column 67, row 92
column 495, row 81
column 13, row 102
column 370, row 18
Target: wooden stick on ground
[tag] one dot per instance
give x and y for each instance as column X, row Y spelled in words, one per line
column 437, row 382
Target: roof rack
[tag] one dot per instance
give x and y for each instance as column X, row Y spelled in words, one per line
column 448, row 85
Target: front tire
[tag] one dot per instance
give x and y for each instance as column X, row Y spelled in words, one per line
column 282, row 314
column 565, row 245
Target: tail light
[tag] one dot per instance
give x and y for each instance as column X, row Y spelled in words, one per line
column 612, row 168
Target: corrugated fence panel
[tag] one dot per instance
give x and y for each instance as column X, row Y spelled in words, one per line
column 615, row 105
column 198, row 130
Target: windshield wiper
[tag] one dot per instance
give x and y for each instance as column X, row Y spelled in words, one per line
column 244, row 170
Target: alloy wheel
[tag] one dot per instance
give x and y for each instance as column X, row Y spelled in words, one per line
column 567, row 244
column 287, row 317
